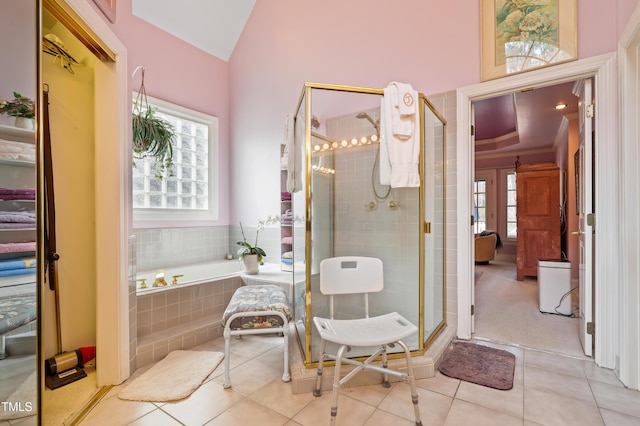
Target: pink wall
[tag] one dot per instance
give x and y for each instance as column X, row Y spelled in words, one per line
column 177, row 72
column 434, row 45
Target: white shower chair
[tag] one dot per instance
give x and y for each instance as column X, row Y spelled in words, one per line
column 355, row 275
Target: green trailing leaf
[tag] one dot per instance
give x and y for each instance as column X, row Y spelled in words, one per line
column 153, row 137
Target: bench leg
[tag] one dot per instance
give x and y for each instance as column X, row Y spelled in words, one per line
column 285, row 331
column 227, row 362
column 412, row 382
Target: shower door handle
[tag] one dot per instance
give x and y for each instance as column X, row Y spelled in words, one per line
column 427, row 228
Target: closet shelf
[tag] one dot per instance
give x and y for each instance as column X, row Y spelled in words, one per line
column 17, row 134
column 18, row 163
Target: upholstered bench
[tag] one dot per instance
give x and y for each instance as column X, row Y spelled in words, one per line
column 15, row 312
column 256, row 309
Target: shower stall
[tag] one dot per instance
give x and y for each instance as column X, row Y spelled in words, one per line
column 340, row 208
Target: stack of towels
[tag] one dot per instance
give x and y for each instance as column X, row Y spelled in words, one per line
column 17, row 219
column 287, row 217
column 400, row 137
column 12, row 194
column 17, row 266
column 11, row 150
column 285, row 196
column 287, row 258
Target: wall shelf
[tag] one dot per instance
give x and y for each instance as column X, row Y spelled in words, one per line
column 17, row 134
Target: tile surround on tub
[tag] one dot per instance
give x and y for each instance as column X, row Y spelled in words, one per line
column 161, row 248
column 181, row 318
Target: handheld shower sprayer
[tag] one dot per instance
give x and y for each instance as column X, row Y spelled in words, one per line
column 375, row 124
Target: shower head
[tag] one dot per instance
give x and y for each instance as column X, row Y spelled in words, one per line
column 376, row 124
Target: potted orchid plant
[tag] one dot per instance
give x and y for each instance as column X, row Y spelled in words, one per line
column 250, row 255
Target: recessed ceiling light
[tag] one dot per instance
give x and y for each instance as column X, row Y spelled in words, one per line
column 560, row 106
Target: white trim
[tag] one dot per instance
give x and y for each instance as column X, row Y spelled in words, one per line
column 629, row 75
column 112, row 217
column 154, row 217
column 603, row 69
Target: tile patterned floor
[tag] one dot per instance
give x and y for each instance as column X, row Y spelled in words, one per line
column 549, row 389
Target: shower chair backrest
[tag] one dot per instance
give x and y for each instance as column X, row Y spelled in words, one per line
column 351, row 275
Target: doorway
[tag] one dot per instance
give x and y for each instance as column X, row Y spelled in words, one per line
column 526, row 128
column 603, row 69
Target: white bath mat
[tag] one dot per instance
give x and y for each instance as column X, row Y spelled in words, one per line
column 175, row 377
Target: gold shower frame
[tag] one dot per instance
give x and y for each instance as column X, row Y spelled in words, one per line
column 425, row 227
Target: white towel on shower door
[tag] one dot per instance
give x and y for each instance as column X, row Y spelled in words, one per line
column 293, row 150
column 400, row 137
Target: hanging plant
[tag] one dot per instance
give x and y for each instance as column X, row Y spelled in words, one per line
column 152, row 135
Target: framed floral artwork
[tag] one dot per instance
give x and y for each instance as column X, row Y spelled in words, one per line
column 108, row 7
column 521, row 35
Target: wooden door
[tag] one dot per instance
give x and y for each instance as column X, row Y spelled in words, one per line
column 538, row 204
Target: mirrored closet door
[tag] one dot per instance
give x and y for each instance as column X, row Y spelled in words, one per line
column 18, row 289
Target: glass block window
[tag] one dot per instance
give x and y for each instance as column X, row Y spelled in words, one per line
column 512, row 224
column 184, row 190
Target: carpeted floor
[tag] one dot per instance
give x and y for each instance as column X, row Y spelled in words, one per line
column 507, row 311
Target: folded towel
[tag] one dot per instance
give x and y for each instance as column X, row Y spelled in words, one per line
column 400, row 100
column 11, row 150
column 287, row 258
column 17, row 191
column 16, row 225
column 287, row 240
column 15, row 272
column 18, row 216
column 16, row 147
column 18, row 263
column 18, row 247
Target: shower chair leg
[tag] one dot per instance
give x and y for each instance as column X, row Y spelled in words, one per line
column 317, row 390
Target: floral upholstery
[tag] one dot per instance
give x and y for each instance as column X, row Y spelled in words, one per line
column 256, row 298
column 16, row 311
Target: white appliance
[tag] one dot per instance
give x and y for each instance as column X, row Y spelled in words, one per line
column 554, row 282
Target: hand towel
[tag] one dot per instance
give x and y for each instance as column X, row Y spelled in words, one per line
column 401, row 114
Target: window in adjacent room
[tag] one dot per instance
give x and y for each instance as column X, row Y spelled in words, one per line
column 512, row 224
column 484, row 201
column 187, row 190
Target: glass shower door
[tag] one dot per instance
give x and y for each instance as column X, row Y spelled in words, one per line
column 433, row 163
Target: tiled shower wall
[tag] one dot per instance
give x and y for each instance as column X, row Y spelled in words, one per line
column 375, row 230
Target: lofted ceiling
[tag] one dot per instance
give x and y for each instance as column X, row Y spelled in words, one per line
column 521, row 121
column 211, row 25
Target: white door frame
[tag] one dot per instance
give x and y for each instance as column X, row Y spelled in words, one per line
column 112, row 217
column 603, row 69
column 629, row 75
